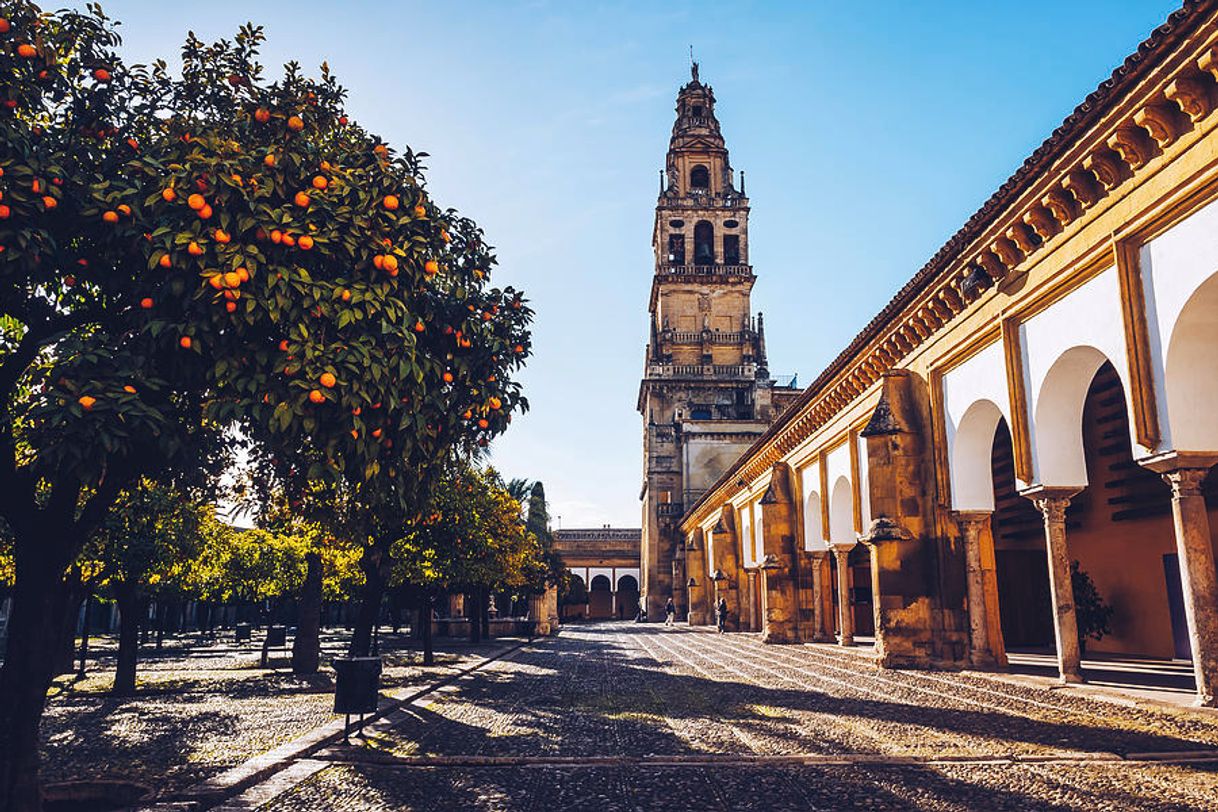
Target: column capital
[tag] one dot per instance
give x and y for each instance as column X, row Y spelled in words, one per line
column 971, row 521
column 1185, row 481
column 1051, row 501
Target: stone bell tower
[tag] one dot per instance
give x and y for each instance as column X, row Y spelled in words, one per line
column 706, row 392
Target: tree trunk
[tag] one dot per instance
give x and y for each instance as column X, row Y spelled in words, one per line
column 129, row 606
column 34, row 630
column 306, row 647
column 370, row 606
column 484, row 612
column 474, row 613
column 429, row 654
column 84, row 636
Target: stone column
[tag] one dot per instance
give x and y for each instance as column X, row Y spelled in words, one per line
column 695, row 568
column 820, row 623
column 972, row 524
column 1052, row 502
column 1197, row 577
column 777, row 581
column 845, row 611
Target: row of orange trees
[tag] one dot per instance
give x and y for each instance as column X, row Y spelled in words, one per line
column 193, row 262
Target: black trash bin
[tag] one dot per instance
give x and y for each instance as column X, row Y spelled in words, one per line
column 242, row 633
column 276, row 637
column 357, row 686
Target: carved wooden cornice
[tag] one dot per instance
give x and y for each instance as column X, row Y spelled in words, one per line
column 1167, row 92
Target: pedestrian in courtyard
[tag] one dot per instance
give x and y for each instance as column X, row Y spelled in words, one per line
column 670, row 612
column 721, row 614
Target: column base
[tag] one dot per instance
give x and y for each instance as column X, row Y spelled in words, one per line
column 1070, row 679
column 985, row 662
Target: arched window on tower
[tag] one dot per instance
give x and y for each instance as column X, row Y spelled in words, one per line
column 704, row 243
column 699, row 177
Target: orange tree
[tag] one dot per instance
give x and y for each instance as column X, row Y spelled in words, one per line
column 472, row 539
column 184, row 260
column 143, row 546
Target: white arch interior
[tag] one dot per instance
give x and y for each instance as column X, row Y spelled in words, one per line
column 746, row 537
column 864, row 484
column 1192, row 372
column 972, row 477
column 1059, row 417
column 814, row 536
column 841, row 513
column 1175, row 266
column 758, row 532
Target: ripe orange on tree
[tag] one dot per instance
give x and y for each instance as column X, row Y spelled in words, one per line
column 317, row 396
column 390, row 202
column 196, row 201
column 262, row 115
column 305, row 243
column 295, row 123
column 185, row 342
column 146, row 303
column 168, row 194
column 320, row 183
column 26, row 51
column 302, row 200
column 327, row 380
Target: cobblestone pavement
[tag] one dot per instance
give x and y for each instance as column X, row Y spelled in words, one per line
column 200, row 710
column 620, row 716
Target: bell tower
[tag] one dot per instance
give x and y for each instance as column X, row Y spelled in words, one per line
column 706, row 392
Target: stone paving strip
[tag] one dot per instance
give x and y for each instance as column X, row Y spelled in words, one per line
column 281, row 766
column 188, row 726
column 624, row 716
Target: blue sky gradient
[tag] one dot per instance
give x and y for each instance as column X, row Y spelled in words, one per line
column 869, row 133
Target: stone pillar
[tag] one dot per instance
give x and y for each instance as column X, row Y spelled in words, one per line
column 1052, row 502
column 972, row 525
column 845, row 610
column 1197, row 577
column 820, row 619
column 697, row 582
column 726, row 566
column 917, row 569
column 780, row 621
column 679, row 596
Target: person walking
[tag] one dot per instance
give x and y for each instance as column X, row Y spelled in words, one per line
column 670, row 612
column 721, row 614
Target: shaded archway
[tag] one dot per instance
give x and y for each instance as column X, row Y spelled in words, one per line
column 1025, row 608
column 627, row 597
column 600, row 598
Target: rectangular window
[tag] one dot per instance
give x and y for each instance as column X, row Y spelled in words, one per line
column 731, row 249
column 676, row 249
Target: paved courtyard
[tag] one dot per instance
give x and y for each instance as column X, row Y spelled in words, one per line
column 623, row 717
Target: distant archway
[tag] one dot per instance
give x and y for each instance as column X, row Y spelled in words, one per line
column 627, row 597
column 600, row 598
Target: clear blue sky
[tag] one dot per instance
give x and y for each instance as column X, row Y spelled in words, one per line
column 869, row 133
